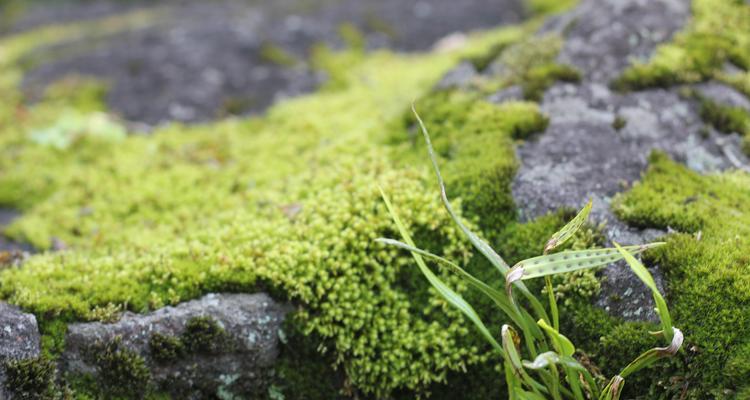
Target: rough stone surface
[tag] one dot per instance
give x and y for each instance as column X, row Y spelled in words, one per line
column 582, row 155
column 19, row 339
column 252, row 323
column 202, row 60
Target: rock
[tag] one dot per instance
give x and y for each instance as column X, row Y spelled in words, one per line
column 724, row 94
column 459, row 77
column 19, row 340
column 598, row 140
column 8, row 248
column 221, row 344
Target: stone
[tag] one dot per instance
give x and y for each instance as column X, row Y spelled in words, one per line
column 19, row 340
column 234, row 356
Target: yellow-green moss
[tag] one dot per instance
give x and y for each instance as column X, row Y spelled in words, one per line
column 709, row 256
column 726, row 119
column 718, row 33
column 288, row 201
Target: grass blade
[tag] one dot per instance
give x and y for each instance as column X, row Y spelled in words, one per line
column 567, row 231
column 642, row 273
column 497, row 296
column 447, row 293
column 653, row 355
column 475, row 240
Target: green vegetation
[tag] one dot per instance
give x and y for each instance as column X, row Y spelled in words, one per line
column 556, row 373
column 708, row 255
column 718, row 33
column 121, row 373
column 32, row 378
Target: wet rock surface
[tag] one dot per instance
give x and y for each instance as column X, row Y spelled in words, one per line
column 221, row 343
column 599, row 140
column 200, row 60
column 19, row 339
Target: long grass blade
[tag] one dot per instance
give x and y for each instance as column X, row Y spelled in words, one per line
column 497, row 296
column 447, row 293
column 475, row 240
column 562, row 344
column 642, row 273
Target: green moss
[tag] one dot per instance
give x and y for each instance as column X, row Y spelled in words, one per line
column 120, row 373
column 31, row 378
column 716, row 327
column 618, row 123
column 538, row 79
column 529, row 63
column 302, row 372
column 724, row 118
column 204, row 335
column 276, row 55
column 475, row 139
column 718, row 33
column 546, row 7
column 165, row 348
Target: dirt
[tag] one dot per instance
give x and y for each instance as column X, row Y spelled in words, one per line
column 199, row 61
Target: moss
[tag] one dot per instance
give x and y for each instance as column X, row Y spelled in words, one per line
column 53, row 332
column 302, row 371
column 276, row 55
column 31, row 378
column 618, row 123
column 165, row 348
column 718, row 33
column 204, row 335
column 538, row 79
column 529, row 63
column 716, row 327
column 724, row 118
column 475, row 139
column 120, row 373
column 546, row 7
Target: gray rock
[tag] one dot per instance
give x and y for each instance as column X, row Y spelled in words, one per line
column 460, row 76
column 603, row 36
column 19, row 339
column 583, row 155
column 237, row 365
column 724, row 94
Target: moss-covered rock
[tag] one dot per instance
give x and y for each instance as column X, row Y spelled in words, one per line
column 708, row 255
column 31, row 378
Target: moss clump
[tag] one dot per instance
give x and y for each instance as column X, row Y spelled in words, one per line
column 276, row 55
column 718, row 33
column 165, row 348
column 120, row 372
column 475, row 140
column 204, row 335
column 618, row 123
column 302, row 372
column 726, row 119
column 716, row 327
column 31, row 378
column 538, row 79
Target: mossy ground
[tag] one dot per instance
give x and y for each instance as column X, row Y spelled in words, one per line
column 717, row 35
column 289, row 202
column 706, row 266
